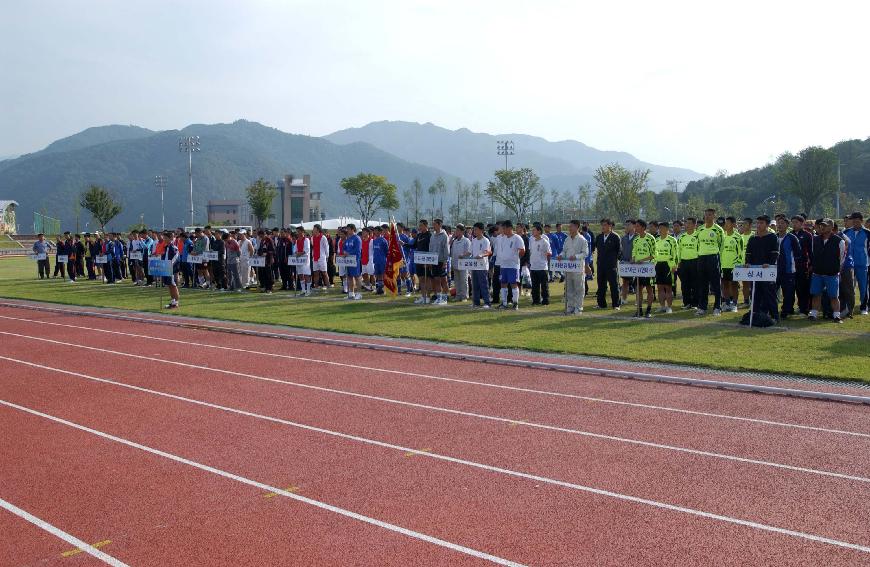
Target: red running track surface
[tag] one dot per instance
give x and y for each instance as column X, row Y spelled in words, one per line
column 512, row 490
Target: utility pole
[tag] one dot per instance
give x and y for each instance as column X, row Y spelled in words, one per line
column 160, row 183
column 188, row 145
column 505, row 148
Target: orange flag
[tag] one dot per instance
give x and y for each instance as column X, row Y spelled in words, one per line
column 395, row 259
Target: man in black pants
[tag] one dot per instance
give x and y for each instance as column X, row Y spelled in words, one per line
column 711, row 237
column 220, row 278
column 802, row 263
column 763, row 250
column 609, row 247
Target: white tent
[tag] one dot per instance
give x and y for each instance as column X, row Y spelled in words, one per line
column 333, row 224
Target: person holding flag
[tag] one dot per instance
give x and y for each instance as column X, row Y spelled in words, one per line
column 395, row 259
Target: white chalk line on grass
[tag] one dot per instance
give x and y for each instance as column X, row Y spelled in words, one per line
column 461, row 381
column 262, row 486
column 408, row 450
column 451, row 411
column 59, row 533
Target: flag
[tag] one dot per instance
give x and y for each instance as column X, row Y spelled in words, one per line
column 395, row 259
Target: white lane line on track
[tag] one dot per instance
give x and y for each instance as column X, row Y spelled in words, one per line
column 589, row 434
column 461, row 381
column 437, row 456
column 59, row 533
column 440, row 409
column 262, row 486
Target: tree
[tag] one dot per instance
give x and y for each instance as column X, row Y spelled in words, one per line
column 648, row 206
column 439, row 188
column 516, row 189
column 260, row 196
column 370, row 193
column 476, row 193
column 621, row 188
column 584, row 198
column 101, row 205
column 413, row 196
column 810, row 176
column 737, row 208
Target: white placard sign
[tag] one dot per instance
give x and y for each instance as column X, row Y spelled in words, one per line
column 425, row 258
column 644, row 270
column 754, row 274
column 101, row 259
column 135, row 255
column 567, row 266
column 346, row 261
column 40, row 256
column 473, row 264
column 62, row 259
column 210, row 256
column 297, row 260
column 194, row 259
column 257, row 261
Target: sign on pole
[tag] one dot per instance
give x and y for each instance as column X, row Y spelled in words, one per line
column 62, row 259
column 754, row 274
column 159, row 268
column 346, row 261
column 135, row 255
column 194, row 259
column 257, row 261
column 101, row 259
column 473, row 264
column 40, row 256
column 210, row 256
column 567, row 266
column 425, row 258
column 642, row 270
column 297, row 260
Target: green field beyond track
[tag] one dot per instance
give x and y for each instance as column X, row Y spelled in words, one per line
column 797, row 347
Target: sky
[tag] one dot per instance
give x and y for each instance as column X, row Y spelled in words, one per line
column 704, row 85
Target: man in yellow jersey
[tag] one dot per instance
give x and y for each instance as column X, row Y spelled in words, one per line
column 666, row 258
column 643, row 250
column 687, row 268
column 709, row 272
column 732, row 255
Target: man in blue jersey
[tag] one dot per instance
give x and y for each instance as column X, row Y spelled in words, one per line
column 860, row 250
column 353, row 247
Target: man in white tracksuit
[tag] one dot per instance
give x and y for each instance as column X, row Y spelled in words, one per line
column 575, row 248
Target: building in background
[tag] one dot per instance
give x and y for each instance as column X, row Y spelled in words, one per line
column 229, row 212
column 297, row 204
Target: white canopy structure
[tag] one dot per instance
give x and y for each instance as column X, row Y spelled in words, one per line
column 333, row 224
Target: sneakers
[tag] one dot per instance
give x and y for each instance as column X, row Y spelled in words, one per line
column 408, row 294
column 172, row 306
column 837, row 320
column 668, row 310
column 487, row 306
column 516, row 306
column 357, row 296
column 864, row 312
column 717, row 312
column 700, row 312
column 419, row 300
column 502, row 306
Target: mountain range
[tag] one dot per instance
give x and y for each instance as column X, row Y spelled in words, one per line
column 126, row 159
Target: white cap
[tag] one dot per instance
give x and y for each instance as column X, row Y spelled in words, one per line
column 243, row 231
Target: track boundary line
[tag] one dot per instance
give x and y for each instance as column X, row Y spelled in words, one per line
column 59, row 533
column 578, row 432
column 461, row 381
column 572, row 369
column 265, row 487
column 455, row 460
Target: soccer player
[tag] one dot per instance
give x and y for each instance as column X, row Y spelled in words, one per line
column 353, row 246
column 406, row 273
column 688, row 265
column 733, row 254
column 643, row 250
column 170, row 252
column 510, row 249
column 745, row 233
column 460, row 247
column 302, row 249
column 380, row 248
column 480, row 249
column 420, row 243
column 319, row 257
column 625, row 254
column 666, row 253
column 439, row 244
column 710, row 239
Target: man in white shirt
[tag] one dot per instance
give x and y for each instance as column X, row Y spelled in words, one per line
column 302, row 249
column 481, row 250
column 460, row 247
column 575, row 248
column 319, row 257
column 541, row 251
column 509, row 249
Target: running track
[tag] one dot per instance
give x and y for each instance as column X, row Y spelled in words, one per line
column 134, row 443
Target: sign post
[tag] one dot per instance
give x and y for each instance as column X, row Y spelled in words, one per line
column 567, row 266
column 346, row 261
column 637, row 271
column 754, row 274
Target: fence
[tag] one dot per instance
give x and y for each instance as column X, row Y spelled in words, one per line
column 45, row 224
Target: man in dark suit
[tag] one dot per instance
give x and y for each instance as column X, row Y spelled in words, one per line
column 608, row 246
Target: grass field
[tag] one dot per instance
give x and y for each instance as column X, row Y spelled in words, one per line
column 797, row 347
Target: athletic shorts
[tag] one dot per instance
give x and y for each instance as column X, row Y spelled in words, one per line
column 663, row 274
column 436, row 271
column 508, row 275
column 727, row 275
column 303, row 270
column 169, row 282
column 342, row 270
column 380, row 269
column 629, row 281
column 320, row 265
column 352, row 271
column 369, row 269
column 829, row 284
column 644, row 282
column 421, row 270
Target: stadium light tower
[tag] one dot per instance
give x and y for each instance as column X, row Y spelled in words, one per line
column 505, row 148
column 160, row 183
column 188, row 145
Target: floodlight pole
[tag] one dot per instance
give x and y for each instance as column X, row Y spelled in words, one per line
column 505, row 148
column 189, row 144
column 160, row 183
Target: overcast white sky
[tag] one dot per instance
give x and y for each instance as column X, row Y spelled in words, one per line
column 705, row 85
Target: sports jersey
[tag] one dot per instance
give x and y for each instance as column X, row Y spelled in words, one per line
column 745, row 238
column 667, row 250
column 688, row 246
column 710, row 240
column 733, row 251
column 507, row 250
column 643, row 247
